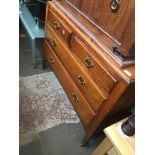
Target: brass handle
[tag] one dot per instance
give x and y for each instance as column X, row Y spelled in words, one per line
column 88, row 63
column 51, row 60
column 117, row 52
column 56, row 25
column 53, row 43
column 81, row 80
column 75, row 98
column 114, row 5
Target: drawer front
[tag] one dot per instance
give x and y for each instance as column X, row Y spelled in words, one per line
column 79, row 103
column 100, row 74
column 58, row 26
column 82, row 79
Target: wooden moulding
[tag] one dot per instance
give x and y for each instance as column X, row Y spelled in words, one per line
column 99, row 106
column 101, row 51
column 100, row 37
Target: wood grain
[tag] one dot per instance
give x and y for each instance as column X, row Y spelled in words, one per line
column 99, row 74
column 103, row 147
column 106, row 90
column 114, row 24
column 112, row 151
column 82, row 107
column 123, row 144
column 63, row 30
column 90, row 90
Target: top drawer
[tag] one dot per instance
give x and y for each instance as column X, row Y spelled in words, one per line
column 97, row 71
column 59, row 27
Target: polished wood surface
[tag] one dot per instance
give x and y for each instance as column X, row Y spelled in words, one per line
column 100, row 12
column 97, row 97
column 88, row 73
column 81, row 106
column 97, row 71
column 63, row 30
column 96, row 34
column 102, row 54
column 113, row 23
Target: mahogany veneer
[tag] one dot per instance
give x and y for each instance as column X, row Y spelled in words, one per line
column 96, row 85
column 118, row 25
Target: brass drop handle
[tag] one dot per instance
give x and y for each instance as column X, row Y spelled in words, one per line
column 56, row 25
column 114, row 5
column 53, row 43
column 117, row 52
column 81, row 80
column 88, row 63
column 51, row 60
column 75, row 98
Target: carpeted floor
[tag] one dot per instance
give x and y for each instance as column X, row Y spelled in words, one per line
column 48, row 122
column 43, row 104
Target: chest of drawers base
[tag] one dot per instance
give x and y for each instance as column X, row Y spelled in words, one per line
column 96, row 87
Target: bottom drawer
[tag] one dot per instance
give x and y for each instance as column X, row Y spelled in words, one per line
column 79, row 103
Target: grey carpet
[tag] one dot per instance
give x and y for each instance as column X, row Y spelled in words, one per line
column 60, row 140
column 43, row 104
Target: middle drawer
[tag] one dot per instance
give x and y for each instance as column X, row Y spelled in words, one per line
column 86, row 84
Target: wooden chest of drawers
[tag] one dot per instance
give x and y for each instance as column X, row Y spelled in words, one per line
column 96, row 86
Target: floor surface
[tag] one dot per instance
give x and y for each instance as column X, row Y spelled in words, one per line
column 61, row 139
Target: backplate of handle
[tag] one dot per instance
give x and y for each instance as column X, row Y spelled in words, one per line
column 56, row 25
column 75, row 98
column 51, row 60
column 114, row 5
column 88, row 63
column 53, row 43
column 81, row 80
